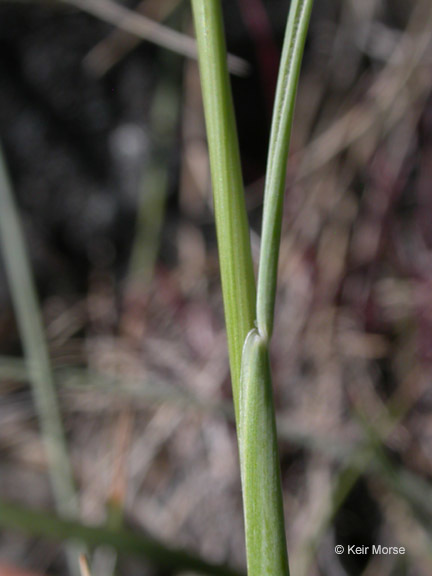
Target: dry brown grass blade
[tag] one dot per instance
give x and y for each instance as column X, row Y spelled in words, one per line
column 143, row 27
column 112, row 49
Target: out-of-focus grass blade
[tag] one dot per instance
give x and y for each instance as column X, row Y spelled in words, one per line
column 126, row 542
column 150, row 30
column 164, row 118
column 31, row 329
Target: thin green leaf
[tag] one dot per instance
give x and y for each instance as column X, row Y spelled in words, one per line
column 289, row 72
column 31, row 328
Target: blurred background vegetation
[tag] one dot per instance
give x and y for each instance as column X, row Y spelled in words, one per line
column 103, row 139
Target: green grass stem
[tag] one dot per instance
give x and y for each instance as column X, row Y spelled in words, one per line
column 260, row 470
column 249, row 340
column 238, row 281
column 26, row 305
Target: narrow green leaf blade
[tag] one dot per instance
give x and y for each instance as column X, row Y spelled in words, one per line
column 289, row 72
column 29, row 319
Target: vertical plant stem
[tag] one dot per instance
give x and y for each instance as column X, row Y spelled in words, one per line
column 31, row 329
column 260, row 470
column 238, row 281
column 292, row 53
column 262, row 494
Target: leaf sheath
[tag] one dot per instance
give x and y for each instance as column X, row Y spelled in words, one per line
column 260, row 470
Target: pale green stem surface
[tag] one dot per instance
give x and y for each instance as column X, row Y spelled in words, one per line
column 31, row 329
column 248, row 344
column 252, row 391
column 262, row 494
column 295, row 37
column 260, row 470
column 238, row 281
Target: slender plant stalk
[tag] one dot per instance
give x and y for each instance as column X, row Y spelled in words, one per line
column 260, row 471
column 238, row 281
column 31, row 329
column 289, row 71
column 253, row 399
column 262, row 494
